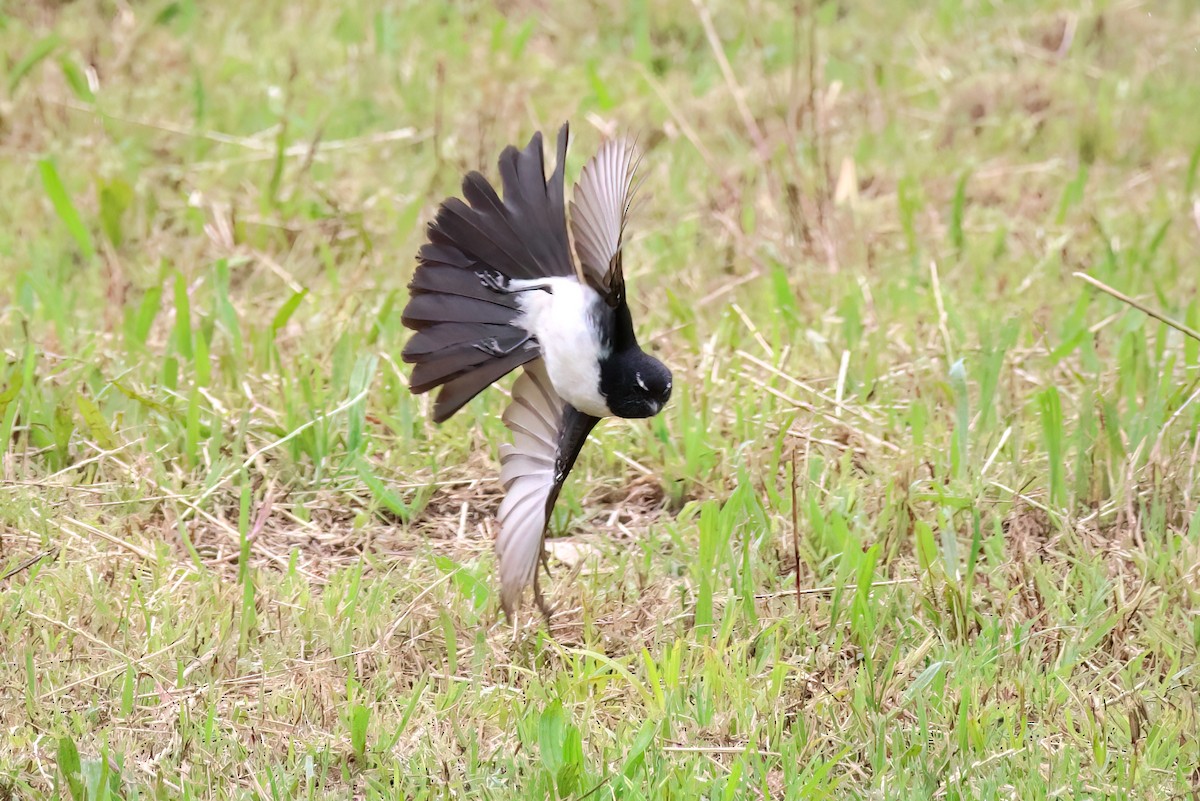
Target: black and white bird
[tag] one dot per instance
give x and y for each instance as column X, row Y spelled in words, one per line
column 496, row 288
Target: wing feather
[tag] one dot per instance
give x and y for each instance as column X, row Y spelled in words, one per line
column 599, row 208
column 547, row 434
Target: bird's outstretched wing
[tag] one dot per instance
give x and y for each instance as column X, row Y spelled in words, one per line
column 547, row 435
column 599, row 207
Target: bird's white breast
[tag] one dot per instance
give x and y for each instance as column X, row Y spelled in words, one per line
column 563, row 321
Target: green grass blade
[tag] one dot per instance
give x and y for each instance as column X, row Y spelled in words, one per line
column 93, row 420
column 64, row 208
column 287, row 310
column 41, row 49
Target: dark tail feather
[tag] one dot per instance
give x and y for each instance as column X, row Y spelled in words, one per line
column 428, row 308
column 447, row 280
column 457, row 392
column 523, row 236
column 436, row 369
column 430, row 340
column 540, row 202
column 465, row 330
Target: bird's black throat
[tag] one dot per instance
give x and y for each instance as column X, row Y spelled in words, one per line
column 634, row 383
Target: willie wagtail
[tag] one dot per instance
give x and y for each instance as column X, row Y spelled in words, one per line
column 495, row 288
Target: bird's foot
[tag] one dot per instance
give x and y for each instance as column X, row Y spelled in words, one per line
column 491, row 346
column 494, row 280
column 501, row 284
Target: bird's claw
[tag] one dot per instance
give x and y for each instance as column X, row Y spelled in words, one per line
column 491, row 347
column 493, row 280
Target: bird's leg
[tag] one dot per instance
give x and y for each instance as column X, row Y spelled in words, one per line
column 541, row 602
column 491, row 346
column 498, row 282
column 544, row 558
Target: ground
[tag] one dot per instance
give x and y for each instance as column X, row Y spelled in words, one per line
column 920, row 521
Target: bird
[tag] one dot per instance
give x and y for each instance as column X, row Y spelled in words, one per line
column 497, row 287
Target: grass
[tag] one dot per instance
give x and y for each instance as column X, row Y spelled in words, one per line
column 920, row 522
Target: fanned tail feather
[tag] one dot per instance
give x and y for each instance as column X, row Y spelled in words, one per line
column 466, row 332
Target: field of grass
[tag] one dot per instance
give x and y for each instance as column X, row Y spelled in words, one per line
column 920, row 521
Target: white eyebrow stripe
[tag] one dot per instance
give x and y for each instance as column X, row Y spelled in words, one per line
column 638, row 377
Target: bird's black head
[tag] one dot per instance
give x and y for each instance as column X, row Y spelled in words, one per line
column 634, row 383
